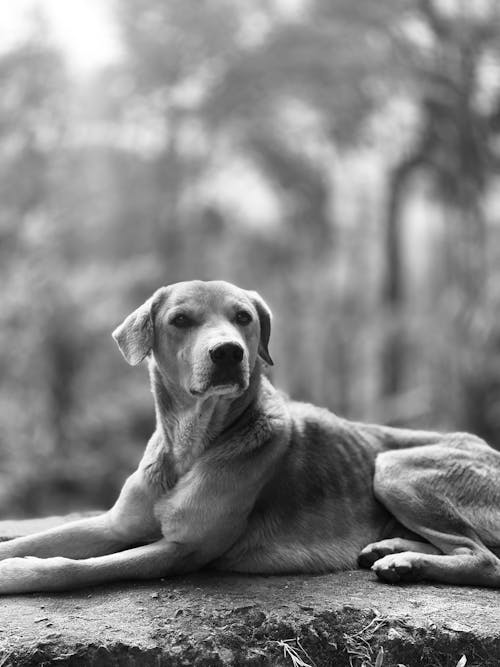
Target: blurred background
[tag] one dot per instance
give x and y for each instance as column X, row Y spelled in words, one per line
column 342, row 157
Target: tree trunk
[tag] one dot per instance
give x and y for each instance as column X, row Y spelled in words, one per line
column 393, row 291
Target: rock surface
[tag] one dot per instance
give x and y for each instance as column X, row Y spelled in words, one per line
column 209, row 619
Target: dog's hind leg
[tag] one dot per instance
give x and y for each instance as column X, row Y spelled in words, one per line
column 464, row 562
column 466, row 566
column 450, row 496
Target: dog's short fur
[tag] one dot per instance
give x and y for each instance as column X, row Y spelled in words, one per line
column 239, row 478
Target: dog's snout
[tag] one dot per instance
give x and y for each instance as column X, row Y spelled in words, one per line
column 226, row 354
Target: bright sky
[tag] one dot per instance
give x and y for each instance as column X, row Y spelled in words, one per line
column 84, row 29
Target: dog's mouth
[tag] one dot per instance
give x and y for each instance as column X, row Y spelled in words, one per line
column 233, row 390
column 233, row 384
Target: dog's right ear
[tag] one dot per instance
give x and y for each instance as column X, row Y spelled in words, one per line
column 135, row 335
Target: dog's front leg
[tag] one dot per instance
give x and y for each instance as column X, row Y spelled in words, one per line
column 93, row 536
column 130, row 521
column 28, row 575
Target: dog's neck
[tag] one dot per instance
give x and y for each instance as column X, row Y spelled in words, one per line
column 187, row 425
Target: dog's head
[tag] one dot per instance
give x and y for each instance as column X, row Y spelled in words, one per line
column 204, row 336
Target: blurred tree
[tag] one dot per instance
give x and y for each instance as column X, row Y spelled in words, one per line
column 32, row 80
column 32, row 122
column 446, row 52
column 174, row 50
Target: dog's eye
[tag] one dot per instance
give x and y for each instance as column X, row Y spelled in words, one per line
column 181, row 321
column 243, row 318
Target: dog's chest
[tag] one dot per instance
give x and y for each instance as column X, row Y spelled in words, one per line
column 163, row 470
column 188, row 443
column 189, row 436
column 172, row 453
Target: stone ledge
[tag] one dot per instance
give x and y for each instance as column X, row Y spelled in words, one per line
column 211, row 619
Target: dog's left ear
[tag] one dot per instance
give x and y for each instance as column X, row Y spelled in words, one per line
column 135, row 335
column 265, row 316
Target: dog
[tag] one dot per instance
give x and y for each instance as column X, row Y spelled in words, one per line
column 239, row 478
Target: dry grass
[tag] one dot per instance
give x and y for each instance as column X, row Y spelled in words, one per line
column 359, row 648
column 361, row 652
column 293, row 649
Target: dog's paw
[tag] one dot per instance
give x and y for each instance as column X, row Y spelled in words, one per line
column 15, row 574
column 398, row 568
column 29, row 574
column 376, row 550
column 370, row 554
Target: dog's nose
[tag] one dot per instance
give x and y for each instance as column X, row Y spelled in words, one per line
column 226, row 354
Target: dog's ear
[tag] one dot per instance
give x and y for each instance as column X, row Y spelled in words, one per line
column 265, row 316
column 135, row 335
